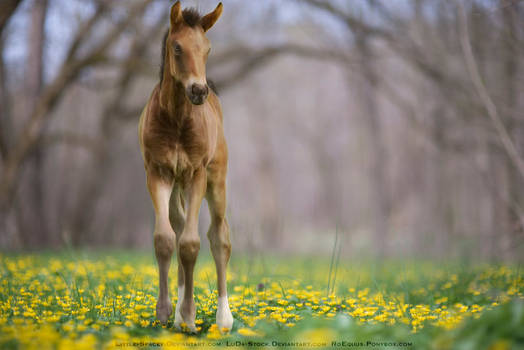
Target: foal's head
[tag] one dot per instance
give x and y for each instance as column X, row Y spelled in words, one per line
column 187, row 48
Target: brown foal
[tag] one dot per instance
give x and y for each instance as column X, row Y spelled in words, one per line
column 185, row 157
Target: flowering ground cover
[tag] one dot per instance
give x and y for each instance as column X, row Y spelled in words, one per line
column 84, row 300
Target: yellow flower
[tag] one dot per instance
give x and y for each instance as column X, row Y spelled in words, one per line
column 247, row 332
column 317, row 335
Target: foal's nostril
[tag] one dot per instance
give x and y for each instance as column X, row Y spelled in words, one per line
column 199, row 90
column 197, row 93
column 194, row 89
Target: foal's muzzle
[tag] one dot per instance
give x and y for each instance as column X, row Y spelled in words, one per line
column 197, row 93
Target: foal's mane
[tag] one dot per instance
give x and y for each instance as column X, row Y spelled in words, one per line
column 163, row 58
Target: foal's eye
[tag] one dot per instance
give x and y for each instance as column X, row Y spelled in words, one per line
column 178, row 49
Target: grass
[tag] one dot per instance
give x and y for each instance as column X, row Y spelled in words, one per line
column 106, row 299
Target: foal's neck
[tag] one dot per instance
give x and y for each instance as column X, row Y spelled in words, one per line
column 173, row 98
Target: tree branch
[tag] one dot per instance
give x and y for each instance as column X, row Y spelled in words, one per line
column 70, row 138
column 7, row 8
column 481, row 90
column 354, row 24
column 31, row 133
column 257, row 58
column 5, row 113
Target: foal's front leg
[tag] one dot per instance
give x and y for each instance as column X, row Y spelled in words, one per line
column 164, row 240
column 189, row 245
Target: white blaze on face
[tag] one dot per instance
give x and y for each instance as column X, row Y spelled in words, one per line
column 195, row 80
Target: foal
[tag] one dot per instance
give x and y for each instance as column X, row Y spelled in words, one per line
column 185, row 158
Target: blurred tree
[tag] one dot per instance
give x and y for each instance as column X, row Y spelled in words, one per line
column 22, row 189
column 430, row 46
column 7, row 8
column 43, row 99
column 31, row 210
column 419, row 154
column 362, row 34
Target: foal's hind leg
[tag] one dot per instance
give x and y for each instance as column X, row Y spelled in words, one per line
column 164, row 239
column 177, row 217
column 218, row 235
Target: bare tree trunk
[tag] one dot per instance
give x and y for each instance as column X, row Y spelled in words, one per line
column 5, row 110
column 269, row 207
column 7, row 9
column 379, row 190
column 489, row 238
column 30, row 135
column 435, row 216
column 270, row 218
column 32, row 221
column 510, row 76
column 499, row 194
column 330, row 203
column 82, row 216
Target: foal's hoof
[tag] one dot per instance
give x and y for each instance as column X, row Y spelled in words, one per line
column 185, row 316
column 178, row 316
column 180, row 325
column 184, row 327
column 163, row 310
column 192, row 329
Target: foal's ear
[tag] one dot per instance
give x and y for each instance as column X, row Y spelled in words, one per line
column 208, row 20
column 176, row 14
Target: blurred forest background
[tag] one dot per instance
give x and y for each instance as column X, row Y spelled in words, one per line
column 393, row 126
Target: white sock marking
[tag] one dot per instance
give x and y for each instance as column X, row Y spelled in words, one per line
column 178, row 316
column 224, row 316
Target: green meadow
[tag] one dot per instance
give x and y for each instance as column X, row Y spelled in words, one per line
column 106, row 299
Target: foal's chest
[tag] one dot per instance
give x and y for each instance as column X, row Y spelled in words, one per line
column 176, row 147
